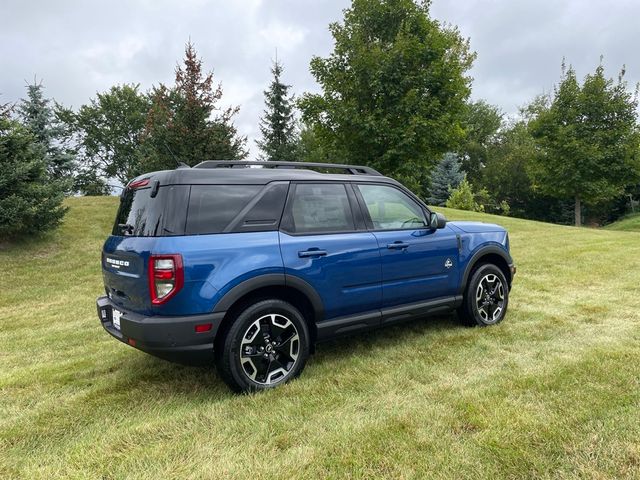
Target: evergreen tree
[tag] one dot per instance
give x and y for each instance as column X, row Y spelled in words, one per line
column 445, row 177
column 183, row 126
column 394, row 89
column 587, row 137
column 5, row 109
column 30, row 201
column 40, row 119
column 278, row 126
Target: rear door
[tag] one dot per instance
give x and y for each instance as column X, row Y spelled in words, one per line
column 324, row 241
column 418, row 264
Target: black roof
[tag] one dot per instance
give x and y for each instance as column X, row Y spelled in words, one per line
column 260, row 173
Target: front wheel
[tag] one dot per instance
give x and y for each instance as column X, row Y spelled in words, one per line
column 486, row 297
column 267, row 345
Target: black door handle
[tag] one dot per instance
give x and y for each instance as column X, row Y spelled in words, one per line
column 312, row 252
column 397, row 245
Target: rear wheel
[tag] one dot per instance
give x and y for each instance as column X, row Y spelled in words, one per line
column 486, row 297
column 266, row 346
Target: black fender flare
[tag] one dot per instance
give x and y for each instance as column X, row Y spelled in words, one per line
column 271, row 280
column 489, row 249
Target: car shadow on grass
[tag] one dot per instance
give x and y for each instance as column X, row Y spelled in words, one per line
column 154, row 376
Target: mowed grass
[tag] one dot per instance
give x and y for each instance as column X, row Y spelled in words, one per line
column 630, row 223
column 552, row 392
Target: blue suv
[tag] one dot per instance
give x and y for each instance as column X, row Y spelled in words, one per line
column 253, row 263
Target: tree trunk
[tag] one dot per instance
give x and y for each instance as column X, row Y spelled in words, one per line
column 578, row 212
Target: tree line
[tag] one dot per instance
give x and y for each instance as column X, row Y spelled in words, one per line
column 395, row 94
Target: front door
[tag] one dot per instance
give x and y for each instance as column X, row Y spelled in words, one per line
column 418, row 264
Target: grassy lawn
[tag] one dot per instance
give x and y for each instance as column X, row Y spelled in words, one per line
column 554, row 391
column 630, row 223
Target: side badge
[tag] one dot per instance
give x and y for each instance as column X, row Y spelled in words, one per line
column 448, row 263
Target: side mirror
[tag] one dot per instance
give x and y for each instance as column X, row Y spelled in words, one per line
column 437, row 220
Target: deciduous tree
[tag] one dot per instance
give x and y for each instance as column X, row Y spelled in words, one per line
column 587, row 138
column 393, row 89
column 108, row 132
column 481, row 124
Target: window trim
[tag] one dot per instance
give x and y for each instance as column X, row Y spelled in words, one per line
column 287, row 217
column 365, row 211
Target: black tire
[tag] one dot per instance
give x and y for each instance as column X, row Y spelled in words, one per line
column 255, row 353
column 480, row 304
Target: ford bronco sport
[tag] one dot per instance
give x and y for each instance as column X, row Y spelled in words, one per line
column 253, row 263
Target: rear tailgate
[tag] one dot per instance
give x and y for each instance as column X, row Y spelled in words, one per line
column 124, row 269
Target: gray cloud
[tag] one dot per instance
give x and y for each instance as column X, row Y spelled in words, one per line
column 79, row 48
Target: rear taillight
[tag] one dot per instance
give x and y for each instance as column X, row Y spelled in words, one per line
column 166, row 277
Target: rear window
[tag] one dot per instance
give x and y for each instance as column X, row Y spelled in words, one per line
column 141, row 215
column 213, row 207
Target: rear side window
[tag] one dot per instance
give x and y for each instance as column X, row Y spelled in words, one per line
column 213, row 207
column 320, row 208
column 142, row 215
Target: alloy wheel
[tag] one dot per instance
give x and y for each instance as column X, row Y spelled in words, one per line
column 490, row 298
column 269, row 349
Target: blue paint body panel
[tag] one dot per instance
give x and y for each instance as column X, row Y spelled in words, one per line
column 358, row 274
column 213, row 265
column 418, row 272
column 347, row 278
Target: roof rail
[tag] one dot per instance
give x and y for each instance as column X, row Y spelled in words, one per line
column 352, row 169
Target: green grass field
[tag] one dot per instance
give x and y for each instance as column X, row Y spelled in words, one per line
column 630, row 223
column 552, row 392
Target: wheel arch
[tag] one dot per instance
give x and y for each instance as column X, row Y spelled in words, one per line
column 284, row 287
column 489, row 254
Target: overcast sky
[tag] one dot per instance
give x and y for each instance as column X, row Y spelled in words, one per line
column 79, row 48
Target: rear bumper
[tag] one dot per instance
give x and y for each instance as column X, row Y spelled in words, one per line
column 166, row 337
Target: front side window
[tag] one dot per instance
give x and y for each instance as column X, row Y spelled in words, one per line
column 320, row 208
column 391, row 209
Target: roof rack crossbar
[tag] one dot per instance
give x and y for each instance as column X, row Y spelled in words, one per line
column 352, row 169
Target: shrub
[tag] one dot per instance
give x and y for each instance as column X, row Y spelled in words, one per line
column 463, row 198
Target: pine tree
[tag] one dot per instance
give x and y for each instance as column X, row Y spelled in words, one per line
column 39, row 118
column 182, row 125
column 445, row 177
column 278, row 125
column 30, row 202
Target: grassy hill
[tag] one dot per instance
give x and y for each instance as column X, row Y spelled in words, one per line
column 554, row 391
column 630, row 223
